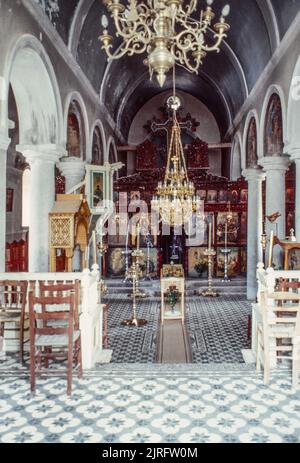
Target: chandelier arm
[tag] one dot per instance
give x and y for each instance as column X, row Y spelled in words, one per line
column 216, row 46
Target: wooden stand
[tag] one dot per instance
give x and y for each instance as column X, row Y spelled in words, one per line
column 178, row 313
column 287, row 246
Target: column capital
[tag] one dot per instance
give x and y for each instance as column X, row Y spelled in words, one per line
column 72, row 167
column 294, row 152
column 4, row 142
column 253, row 174
column 277, row 163
column 45, row 153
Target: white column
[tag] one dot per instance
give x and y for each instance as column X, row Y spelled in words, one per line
column 42, row 160
column 276, row 168
column 295, row 156
column 73, row 169
column 254, row 177
column 4, row 143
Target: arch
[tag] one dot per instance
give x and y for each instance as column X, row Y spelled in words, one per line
column 253, row 114
column 76, row 97
column 111, row 149
column 272, row 90
column 97, row 124
column 30, row 72
column 293, row 113
column 237, row 164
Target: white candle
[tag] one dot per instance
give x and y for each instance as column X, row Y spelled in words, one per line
column 209, row 235
column 271, row 249
column 226, row 232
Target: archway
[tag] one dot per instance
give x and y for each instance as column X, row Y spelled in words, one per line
column 236, row 159
column 40, row 134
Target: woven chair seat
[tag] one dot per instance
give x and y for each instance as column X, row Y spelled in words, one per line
column 55, row 340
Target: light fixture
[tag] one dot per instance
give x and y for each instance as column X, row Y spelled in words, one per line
column 168, row 31
column 175, row 199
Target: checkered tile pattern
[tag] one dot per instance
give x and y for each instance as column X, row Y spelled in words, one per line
column 131, row 344
column 218, row 328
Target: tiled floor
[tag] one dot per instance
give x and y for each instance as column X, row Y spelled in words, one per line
column 155, row 403
column 217, row 329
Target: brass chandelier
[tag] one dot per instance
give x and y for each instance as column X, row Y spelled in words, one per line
column 167, row 30
column 175, row 199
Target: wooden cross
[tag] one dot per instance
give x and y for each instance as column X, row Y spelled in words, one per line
column 167, row 126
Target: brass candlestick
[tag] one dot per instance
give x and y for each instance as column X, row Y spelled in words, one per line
column 135, row 274
column 210, row 253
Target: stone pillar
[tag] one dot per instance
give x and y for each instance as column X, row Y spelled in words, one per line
column 73, row 169
column 254, row 178
column 295, row 156
column 276, row 168
column 42, row 160
column 4, row 143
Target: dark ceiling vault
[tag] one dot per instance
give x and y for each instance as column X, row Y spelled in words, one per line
column 224, row 81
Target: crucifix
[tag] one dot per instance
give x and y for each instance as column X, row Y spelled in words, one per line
column 173, row 104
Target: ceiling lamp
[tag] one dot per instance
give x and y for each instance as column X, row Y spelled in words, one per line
column 167, row 30
column 175, row 199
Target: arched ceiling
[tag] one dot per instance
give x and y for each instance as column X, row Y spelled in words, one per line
column 224, row 81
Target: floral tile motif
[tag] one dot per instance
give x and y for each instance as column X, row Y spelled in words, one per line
column 155, row 404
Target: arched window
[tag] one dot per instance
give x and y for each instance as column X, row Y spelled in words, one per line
column 26, row 179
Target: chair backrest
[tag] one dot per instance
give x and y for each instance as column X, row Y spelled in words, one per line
column 279, row 308
column 40, row 313
column 13, row 295
column 61, row 290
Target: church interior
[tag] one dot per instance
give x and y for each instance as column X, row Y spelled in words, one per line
column 149, row 221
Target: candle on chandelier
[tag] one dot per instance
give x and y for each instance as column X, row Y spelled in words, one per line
column 209, row 235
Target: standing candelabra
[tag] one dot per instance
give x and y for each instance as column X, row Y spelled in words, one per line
column 210, row 253
column 102, row 249
column 135, row 274
column 226, row 251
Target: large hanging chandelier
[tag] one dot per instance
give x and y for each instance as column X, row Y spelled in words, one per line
column 166, row 31
column 175, row 199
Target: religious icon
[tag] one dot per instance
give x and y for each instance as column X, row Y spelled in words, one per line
column 212, row 196
column 197, row 263
column 116, row 262
column 244, row 196
column 97, row 189
column 273, row 141
column 252, row 144
column 202, row 194
column 234, row 196
column 223, row 196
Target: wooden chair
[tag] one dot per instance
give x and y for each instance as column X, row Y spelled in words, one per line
column 280, row 321
column 13, row 297
column 53, row 333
